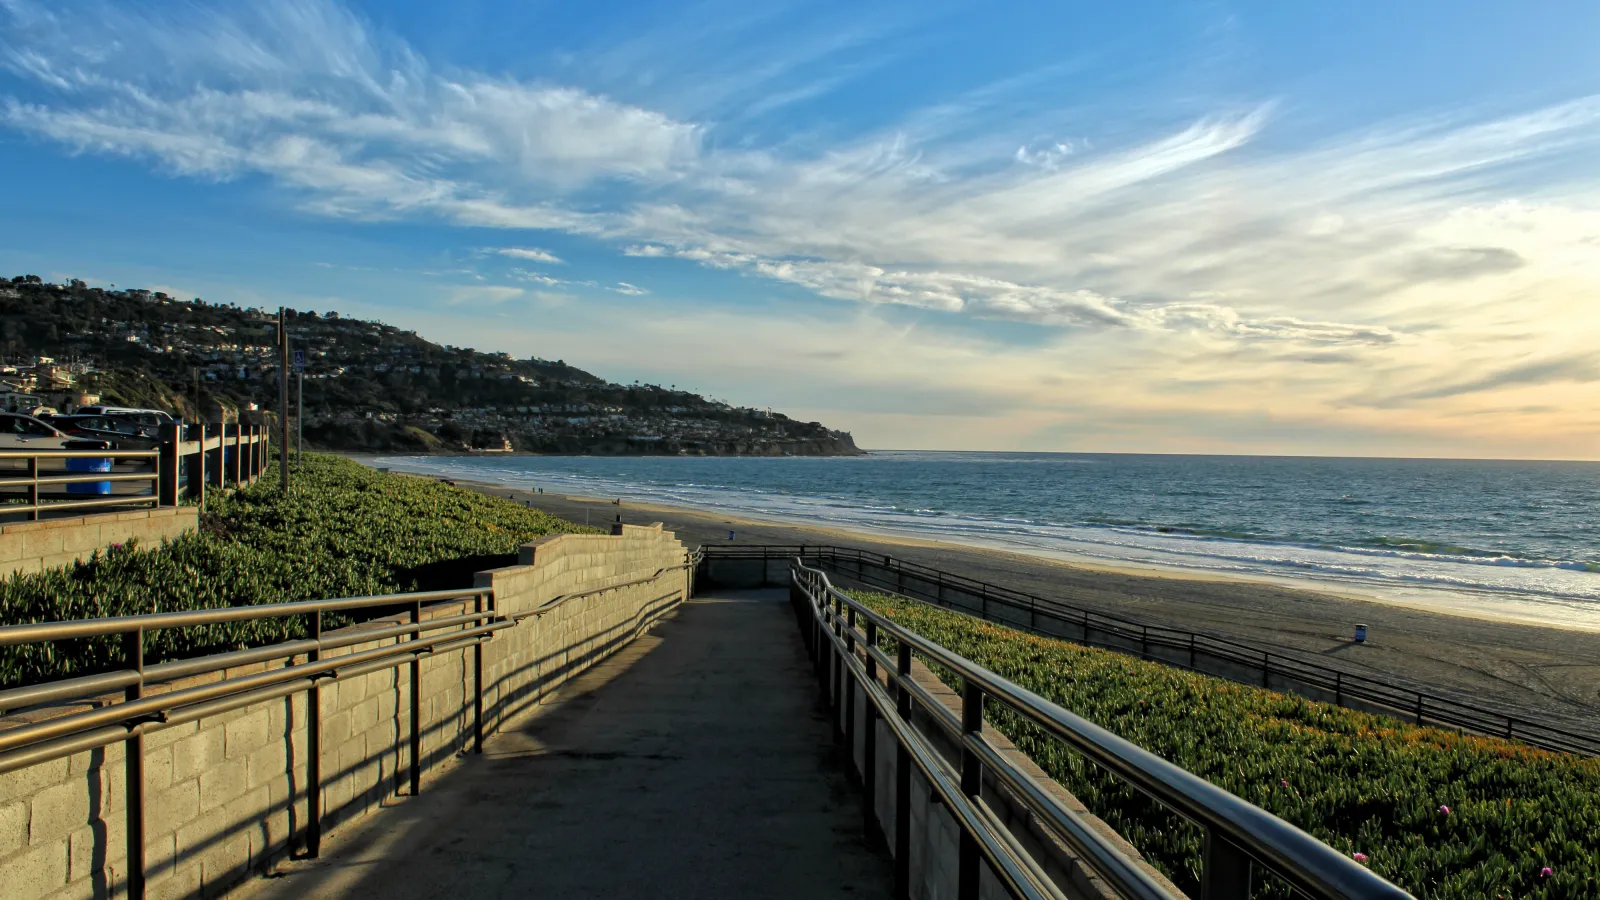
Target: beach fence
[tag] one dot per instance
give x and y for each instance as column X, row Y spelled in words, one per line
column 178, row 467
column 1238, row 661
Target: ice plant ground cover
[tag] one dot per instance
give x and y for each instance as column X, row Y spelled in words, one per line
column 1441, row 814
column 345, row 530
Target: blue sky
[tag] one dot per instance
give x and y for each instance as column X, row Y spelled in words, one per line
column 1366, row 228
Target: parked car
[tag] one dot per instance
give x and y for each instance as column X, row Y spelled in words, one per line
column 19, row 432
column 121, row 434
column 149, row 421
column 125, row 411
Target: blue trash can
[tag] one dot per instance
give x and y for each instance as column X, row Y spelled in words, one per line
column 89, row 464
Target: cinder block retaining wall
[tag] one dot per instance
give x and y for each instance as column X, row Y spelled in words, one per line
column 227, row 795
column 32, row 546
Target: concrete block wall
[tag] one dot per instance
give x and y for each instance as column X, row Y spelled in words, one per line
column 227, row 795
column 577, row 633
column 33, row 546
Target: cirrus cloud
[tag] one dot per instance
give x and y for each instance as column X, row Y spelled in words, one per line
column 1417, row 262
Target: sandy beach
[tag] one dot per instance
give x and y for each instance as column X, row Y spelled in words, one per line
column 1546, row 672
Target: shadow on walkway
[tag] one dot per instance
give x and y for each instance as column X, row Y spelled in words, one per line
column 696, row 762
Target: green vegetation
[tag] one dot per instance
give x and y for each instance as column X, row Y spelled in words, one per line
column 346, row 530
column 368, row 386
column 1441, row 814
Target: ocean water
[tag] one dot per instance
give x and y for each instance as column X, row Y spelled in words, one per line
column 1516, row 539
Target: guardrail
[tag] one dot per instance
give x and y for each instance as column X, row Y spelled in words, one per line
column 184, row 463
column 36, row 476
column 1196, row 651
column 1239, row 837
column 106, row 720
column 137, row 715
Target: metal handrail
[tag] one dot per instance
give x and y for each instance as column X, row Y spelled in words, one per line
column 14, row 453
column 309, row 667
column 178, row 469
column 1410, row 703
column 81, row 479
column 129, row 721
column 27, row 484
column 1238, row 834
column 135, row 710
column 35, row 632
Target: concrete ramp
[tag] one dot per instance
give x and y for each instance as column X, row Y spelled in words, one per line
column 696, row 762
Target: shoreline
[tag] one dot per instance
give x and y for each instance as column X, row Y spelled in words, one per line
column 1080, row 563
column 1485, row 605
column 1533, row 671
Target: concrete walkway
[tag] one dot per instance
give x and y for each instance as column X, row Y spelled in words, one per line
column 696, row 762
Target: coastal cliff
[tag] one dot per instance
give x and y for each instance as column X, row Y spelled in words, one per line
column 383, row 437
column 367, row 386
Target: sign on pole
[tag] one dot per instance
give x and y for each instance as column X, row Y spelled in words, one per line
column 300, row 360
column 283, row 398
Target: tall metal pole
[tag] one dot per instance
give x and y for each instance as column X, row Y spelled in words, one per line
column 283, row 398
column 299, row 417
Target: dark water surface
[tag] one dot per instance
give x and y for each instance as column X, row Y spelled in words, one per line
column 1517, row 537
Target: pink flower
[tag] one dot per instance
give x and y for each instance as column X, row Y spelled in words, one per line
column 1546, row 872
column 1444, row 810
column 1359, row 857
column 1284, row 782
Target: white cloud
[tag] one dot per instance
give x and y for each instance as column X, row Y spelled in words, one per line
column 1391, row 262
column 1050, row 155
column 537, row 277
column 482, row 294
column 307, row 92
column 646, row 250
column 622, row 287
column 529, row 253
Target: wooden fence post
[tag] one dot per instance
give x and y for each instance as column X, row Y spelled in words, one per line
column 216, row 466
column 197, row 474
column 255, row 452
column 169, row 467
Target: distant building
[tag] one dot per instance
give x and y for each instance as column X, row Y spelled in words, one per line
column 16, row 397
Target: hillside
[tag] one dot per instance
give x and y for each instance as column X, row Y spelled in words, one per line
column 368, row 386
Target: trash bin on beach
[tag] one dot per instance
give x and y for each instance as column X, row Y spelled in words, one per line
column 89, row 464
column 1361, row 634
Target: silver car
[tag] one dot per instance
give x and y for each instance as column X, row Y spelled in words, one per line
column 20, row 432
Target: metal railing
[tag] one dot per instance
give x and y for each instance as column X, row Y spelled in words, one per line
column 137, row 715
column 35, row 476
column 305, row 669
column 184, row 463
column 844, row 635
column 1234, row 660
